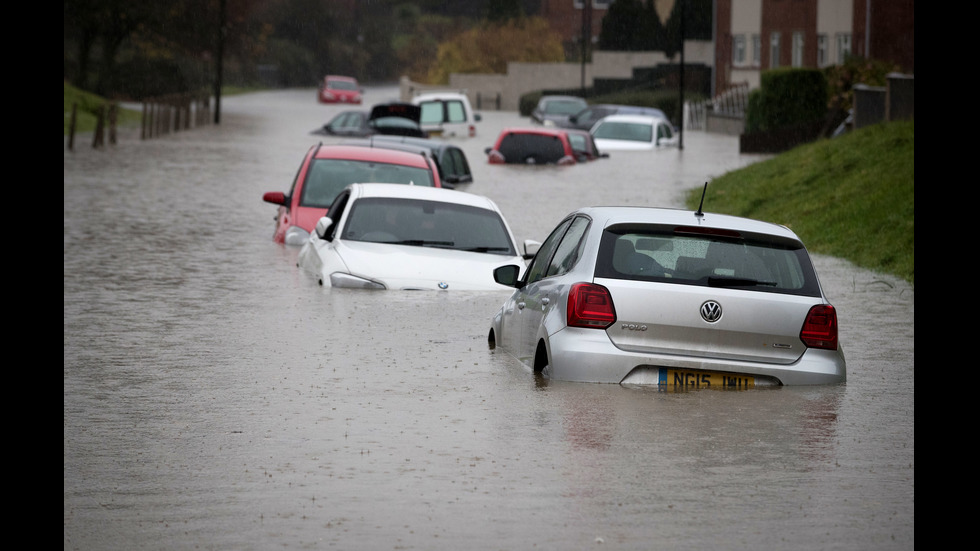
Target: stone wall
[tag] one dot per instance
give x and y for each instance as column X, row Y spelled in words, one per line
column 522, row 78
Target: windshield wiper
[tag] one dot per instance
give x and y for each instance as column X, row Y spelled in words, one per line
column 716, row 281
column 425, row 243
column 487, row 249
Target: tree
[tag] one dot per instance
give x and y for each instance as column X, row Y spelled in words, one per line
column 488, row 48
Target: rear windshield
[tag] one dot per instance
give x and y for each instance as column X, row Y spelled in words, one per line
column 673, row 255
column 518, row 148
column 419, row 223
column 439, row 111
column 636, row 132
column 328, row 177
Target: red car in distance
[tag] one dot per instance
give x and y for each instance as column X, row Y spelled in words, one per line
column 339, row 89
column 328, row 169
column 533, row 146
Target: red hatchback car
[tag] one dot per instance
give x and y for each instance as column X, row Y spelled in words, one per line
column 536, row 145
column 338, row 89
column 328, row 169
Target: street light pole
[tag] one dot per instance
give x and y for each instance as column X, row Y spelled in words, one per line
column 680, row 139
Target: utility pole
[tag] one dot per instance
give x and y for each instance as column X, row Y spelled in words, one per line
column 586, row 37
column 680, row 139
column 219, row 63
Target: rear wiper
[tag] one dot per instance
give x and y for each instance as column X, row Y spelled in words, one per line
column 716, row 281
column 425, row 243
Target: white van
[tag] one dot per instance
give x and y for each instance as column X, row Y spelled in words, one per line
column 447, row 114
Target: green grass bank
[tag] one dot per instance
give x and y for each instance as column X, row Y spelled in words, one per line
column 852, row 197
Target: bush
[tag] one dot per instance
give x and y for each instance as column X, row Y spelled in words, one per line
column 787, row 97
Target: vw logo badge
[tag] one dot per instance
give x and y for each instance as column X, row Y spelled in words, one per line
column 443, row 285
column 711, row 311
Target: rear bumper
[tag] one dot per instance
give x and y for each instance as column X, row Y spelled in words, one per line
column 587, row 355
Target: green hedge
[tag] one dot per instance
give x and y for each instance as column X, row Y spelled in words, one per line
column 787, row 97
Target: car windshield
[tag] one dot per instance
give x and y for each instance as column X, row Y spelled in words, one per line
column 518, row 148
column 631, row 131
column 419, row 223
column 563, row 107
column 674, row 255
column 328, row 177
column 341, row 85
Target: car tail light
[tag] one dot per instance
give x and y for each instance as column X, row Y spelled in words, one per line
column 495, row 158
column 472, row 131
column 590, row 306
column 820, row 328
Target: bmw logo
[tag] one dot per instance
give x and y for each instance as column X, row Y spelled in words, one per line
column 443, row 285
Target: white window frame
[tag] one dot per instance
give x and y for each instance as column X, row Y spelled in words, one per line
column 738, row 50
column 774, row 50
column 843, row 46
column 823, row 58
column 756, row 50
column 797, row 60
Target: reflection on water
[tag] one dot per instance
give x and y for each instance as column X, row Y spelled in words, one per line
column 216, row 397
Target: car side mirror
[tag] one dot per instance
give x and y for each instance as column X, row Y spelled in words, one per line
column 323, row 226
column 477, row 117
column 531, row 248
column 275, row 197
column 507, row 275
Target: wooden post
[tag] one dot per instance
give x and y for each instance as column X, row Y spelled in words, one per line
column 98, row 140
column 71, row 127
column 113, row 115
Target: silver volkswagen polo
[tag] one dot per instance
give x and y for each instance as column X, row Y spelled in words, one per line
column 675, row 298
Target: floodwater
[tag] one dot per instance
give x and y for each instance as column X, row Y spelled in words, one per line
column 217, row 398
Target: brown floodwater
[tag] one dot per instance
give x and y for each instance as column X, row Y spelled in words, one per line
column 217, row 398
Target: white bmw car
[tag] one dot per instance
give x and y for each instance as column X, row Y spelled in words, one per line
column 672, row 298
column 389, row 236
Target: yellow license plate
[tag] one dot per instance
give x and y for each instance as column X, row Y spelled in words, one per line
column 689, row 378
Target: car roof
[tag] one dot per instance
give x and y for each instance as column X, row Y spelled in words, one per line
column 362, row 153
column 339, row 77
column 432, row 145
column 540, row 130
column 430, row 96
column 643, row 119
column 609, row 215
column 425, row 193
column 561, row 98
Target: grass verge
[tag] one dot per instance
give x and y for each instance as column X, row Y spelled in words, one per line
column 852, row 197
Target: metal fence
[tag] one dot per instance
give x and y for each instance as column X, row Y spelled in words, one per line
column 731, row 102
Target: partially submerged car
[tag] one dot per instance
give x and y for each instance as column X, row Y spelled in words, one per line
column 450, row 159
column 382, row 236
column 327, row 169
column 586, row 118
column 552, row 110
column 670, row 298
column 339, row 89
column 633, row 133
column 447, row 114
column 347, row 123
column 532, row 146
column 397, row 119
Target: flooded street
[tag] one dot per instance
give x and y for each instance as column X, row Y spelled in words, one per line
column 217, row 398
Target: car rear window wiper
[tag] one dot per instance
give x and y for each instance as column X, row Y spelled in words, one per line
column 722, row 281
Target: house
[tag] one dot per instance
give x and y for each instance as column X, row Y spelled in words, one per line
column 756, row 35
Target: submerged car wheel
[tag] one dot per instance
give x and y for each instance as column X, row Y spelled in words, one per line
column 491, row 340
column 540, row 358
